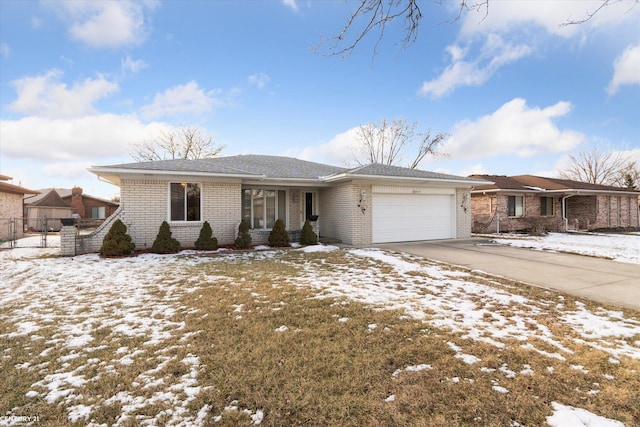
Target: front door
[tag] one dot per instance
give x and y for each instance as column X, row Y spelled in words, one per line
column 308, row 205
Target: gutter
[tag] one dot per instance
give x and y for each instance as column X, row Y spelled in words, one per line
column 124, row 171
column 564, row 211
column 412, row 179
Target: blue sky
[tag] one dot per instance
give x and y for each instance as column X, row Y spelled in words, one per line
column 81, row 81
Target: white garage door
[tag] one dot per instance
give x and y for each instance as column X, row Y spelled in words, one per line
column 411, row 217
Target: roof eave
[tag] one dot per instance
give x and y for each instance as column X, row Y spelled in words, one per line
column 404, row 179
column 586, row 192
column 16, row 189
column 506, row 190
column 289, row 182
column 117, row 172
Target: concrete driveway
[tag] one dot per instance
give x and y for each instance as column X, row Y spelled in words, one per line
column 600, row 280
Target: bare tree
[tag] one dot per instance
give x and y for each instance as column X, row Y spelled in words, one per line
column 186, row 142
column 595, row 165
column 388, row 142
column 370, row 16
column 629, row 177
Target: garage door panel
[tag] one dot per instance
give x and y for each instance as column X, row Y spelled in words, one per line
column 410, row 217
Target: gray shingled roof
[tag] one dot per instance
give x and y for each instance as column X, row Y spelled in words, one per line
column 277, row 167
column 376, row 169
column 250, row 165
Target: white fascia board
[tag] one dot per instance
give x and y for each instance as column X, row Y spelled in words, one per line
column 99, row 170
column 285, row 182
column 404, row 179
column 505, row 190
column 577, row 192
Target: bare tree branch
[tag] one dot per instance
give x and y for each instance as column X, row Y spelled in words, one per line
column 603, row 5
column 429, row 145
column 597, row 166
column 186, row 142
column 388, row 142
column 374, row 15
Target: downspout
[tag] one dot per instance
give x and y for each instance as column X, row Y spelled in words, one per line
column 564, row 212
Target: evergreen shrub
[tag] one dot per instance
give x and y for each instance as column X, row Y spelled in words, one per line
column 164, row 243
column 278, row 236
column 206, row 241
column 117, row 242
column 308, row 236
column 243, row 241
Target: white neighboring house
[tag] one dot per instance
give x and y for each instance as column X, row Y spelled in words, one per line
column 360, row 206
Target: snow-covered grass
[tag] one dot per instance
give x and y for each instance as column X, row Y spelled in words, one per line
column 316, row 335
column 618, row 247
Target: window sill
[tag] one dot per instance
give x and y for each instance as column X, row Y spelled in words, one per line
column 186, row 223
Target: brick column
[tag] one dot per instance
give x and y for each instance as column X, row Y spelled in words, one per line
column 68, row 240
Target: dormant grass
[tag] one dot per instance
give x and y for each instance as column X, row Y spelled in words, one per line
column 267, row 346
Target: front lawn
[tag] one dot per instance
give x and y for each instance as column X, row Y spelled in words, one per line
column 315, row 336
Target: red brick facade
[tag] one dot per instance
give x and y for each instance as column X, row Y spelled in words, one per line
column 84, row 205
column 586, row 206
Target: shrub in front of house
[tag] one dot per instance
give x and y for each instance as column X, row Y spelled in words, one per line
column 206, row 241
column 117, row 242
column 243, row 241
column 278, row 237
column 164, row 243
column 308, row 236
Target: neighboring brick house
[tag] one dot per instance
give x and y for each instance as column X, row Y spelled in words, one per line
column 525, row 202
column 87, row 206
column 11, row 209
column 360, row 206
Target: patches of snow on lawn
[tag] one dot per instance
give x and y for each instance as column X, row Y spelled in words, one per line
column 85, row 296
column 87, row 301
column 618, row 247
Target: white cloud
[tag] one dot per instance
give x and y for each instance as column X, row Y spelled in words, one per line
column 504, row 16
column 259, row 80
column 181, row 99
column 476, row 169
column 69, row 170
column 494, row 54
column 291, row 4
column 626, row 69
column 519, row 20
column 36, row 22
column 5, row 50
column 46, row 96
column 133, row 66
column 513, row 128
column 106, row 23
column 338, row 151
column 84, row 138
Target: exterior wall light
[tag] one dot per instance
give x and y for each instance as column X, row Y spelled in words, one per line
column 362, row 203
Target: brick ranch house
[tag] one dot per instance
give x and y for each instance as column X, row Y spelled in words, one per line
column 369, row 204
column 11, row 209
column 525, row 202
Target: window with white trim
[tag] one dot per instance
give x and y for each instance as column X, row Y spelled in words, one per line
column 185, row 201
column 515, row 206
column 98, row 212
column 261, row 207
